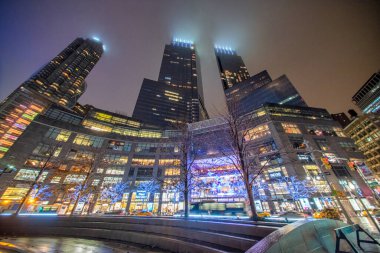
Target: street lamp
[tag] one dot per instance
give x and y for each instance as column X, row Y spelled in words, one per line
column 311, row 151
column 352, row 189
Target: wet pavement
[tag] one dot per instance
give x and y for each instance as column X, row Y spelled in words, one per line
column 70, row 245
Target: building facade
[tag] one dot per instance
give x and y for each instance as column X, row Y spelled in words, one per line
column 177, row 97
column 365, row 131
column 281, row 132
column 99, row 149
column 368, row 96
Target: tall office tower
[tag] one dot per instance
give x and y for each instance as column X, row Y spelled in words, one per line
column 61, row 82
column 231, row 67
column 177, row 95
column 62, row 79
column 368, row 96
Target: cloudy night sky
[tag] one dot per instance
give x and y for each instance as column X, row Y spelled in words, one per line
column 328, row 49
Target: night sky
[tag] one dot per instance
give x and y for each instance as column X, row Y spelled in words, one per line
column 328, row 49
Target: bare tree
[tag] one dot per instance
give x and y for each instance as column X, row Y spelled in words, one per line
column 114, row 192
column 237, row 148
column 47, row 155
column 85, row 189
column 296, row 188
column 187, row 153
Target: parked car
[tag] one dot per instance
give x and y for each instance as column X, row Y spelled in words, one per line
column 144, row 213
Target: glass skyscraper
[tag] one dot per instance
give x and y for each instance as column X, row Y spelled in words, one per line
column 368, row 96
column 61, row 81
column 177, row 95
column 231, row 67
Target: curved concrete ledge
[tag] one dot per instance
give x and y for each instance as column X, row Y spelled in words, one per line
column 302, row 236
column 174, row 235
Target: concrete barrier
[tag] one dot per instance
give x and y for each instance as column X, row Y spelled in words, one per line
column 174, row 235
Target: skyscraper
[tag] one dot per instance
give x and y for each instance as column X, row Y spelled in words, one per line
column 231, row 67
column 61, row 81
column 368, row 96
column 177, row 95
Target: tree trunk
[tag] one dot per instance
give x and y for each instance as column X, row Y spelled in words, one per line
column 252, row 203
column 186, row 196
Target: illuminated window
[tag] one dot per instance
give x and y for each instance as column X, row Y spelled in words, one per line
column 119, row 145
column 46, row 150
column 279, row 188
column 26, row 175
column 172, row 171
column 42, row 177
column 264, row 148
column 74, row 179
column 291, row 128
column 115, row 159
column 311, row 170
column 115, row 171
column 146, row 147
column 96, row 126
column 79, row 168
column 331, row 157
column 257, row 132
column 277, row 172
column 174, row 162
column 58, row 134
column 95, row 182
column 38, row 162
column 87, row 140
column 339, row 132
column 12, row 193
column 56, row 180
column 322, row 144
column 143, row 162
column 270, row 160
column 321, row 131
column 99, row 170
column 111, row 180
column 297, row 142
column 80, row 155
column 306, row 158
column 16, row 116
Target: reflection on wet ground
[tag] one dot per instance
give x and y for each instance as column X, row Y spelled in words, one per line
column 71, row 245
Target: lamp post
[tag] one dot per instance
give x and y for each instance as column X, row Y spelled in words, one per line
column 311, row 151
column 352, row 189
